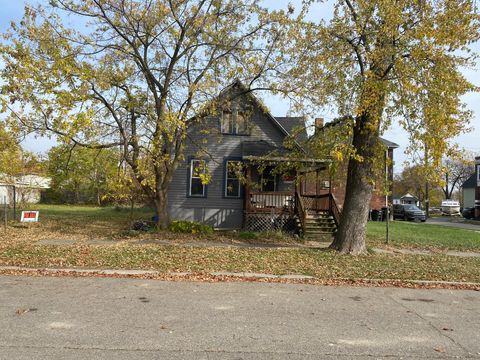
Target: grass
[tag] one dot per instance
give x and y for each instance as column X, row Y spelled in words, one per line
column 108, row 213
column 19, row 247
column 425, row 236
column 322, row 264
column 84, row 222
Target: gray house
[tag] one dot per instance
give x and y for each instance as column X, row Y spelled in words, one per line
column 468, row 191
column 230, row 178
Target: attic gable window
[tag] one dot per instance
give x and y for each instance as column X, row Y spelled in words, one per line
column 233, row 123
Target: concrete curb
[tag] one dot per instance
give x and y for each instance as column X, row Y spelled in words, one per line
column 157, row 273
column 245, row 275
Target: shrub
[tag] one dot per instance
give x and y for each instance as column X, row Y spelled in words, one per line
column 248, row 235
column 189, row 227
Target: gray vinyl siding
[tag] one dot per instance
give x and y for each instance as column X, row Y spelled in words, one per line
column 468, row 197
column 215, row 209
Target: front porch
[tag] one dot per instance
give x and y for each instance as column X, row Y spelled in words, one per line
column 297, row 210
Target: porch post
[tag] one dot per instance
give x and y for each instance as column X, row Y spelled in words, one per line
column 246, row 200
column 248, row 177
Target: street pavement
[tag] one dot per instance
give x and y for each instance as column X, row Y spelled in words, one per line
column 453, row 222
column 108, row 318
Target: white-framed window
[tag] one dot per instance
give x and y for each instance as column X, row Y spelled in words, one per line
column 233, row 122
column 197, row 169
column 233, row 169
column 478, row 174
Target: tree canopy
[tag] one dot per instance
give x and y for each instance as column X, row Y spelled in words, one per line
column 81, row 175
column 383, row 61
column 132, row 76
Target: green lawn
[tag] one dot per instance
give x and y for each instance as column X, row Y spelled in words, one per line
column 421, row 235
column 19, row 247
column 323, row 264
column 107, row 213
column 108, row 222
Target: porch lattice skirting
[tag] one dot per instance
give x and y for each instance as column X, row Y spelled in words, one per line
column 271, row 222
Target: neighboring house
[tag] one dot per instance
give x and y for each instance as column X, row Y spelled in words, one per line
column 240, row 148
column 337, row 184
column 468, row 191
column 409, row 199
column 477, row 190
column 25, row 189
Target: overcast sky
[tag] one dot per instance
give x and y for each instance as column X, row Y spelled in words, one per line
column 12, row 10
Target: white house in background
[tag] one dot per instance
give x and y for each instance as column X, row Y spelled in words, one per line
column 409, row 199
column 28, row 188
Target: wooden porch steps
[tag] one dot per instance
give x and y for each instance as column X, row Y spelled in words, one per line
column 319, row 225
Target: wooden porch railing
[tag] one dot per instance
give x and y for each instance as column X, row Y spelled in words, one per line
column 320, row 203
column 274, row 201
column 277, row 202
column 316, row 202
column 334, row 210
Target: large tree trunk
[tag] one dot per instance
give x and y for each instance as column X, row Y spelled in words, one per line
column 161, row 209
column 350, row 238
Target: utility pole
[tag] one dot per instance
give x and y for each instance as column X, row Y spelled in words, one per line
column 387, row 212
column 427, row 200
column 427, row 190
column 14, row 203
column 5, row 211
column 447, row 195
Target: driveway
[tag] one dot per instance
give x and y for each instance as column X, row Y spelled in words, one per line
column 451, row 221
column 98, row 318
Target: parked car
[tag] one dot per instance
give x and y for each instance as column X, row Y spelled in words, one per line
column 468, row 213
column 408, row 212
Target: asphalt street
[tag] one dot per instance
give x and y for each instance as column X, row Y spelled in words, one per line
column 106, row 318
column 453, row 222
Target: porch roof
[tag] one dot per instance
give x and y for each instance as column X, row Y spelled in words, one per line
column 264, row 151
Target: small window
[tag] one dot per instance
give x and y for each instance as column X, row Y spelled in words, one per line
column 227, row 126
column 232, row 178
column 240, row 123
column 197, row 169
column 478, row 174
column 234, row 123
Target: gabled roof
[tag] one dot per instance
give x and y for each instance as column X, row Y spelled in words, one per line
column 389, row 144
column 471, row 183
column 246, row 91
column 409, row 196
column 294, row 125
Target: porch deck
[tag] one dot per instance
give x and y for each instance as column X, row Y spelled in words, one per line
column 287, row 210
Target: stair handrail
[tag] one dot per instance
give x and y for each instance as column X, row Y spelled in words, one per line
column 334, row 210
column 301, row 210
